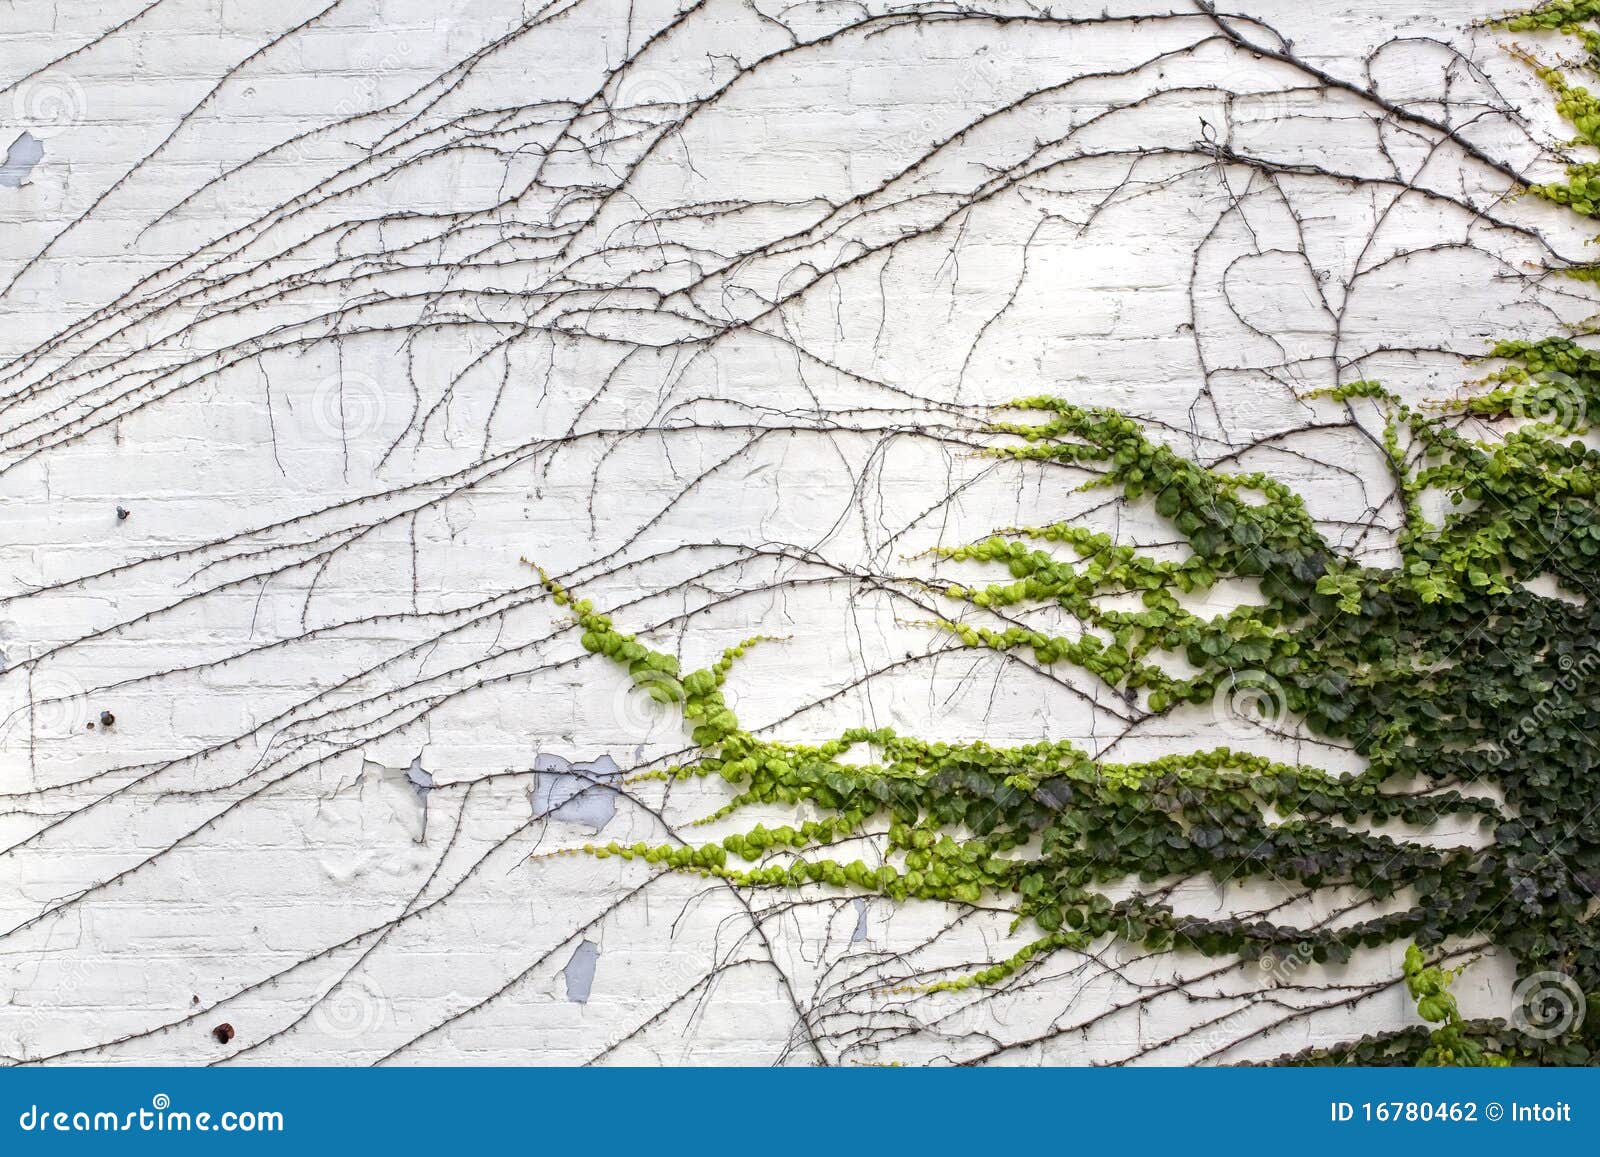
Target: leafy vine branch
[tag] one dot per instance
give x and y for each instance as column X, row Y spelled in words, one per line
column 616, row 304
column 1430, row 669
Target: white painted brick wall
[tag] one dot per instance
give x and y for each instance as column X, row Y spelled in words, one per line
column 269, row 871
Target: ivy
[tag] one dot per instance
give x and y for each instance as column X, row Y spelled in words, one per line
column 1394, row 661
column 1447, row 669
column 1451, row 1043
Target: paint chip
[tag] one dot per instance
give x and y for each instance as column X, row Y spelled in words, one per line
column 25, row 152
column 421, row 778
column 422, row 781
column 860, row 933
column 406, row 791
column 579, row 972
column 575, row 792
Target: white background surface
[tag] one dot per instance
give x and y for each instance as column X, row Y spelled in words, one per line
column 353, row 306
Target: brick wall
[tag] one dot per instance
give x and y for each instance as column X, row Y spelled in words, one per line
column 317, row 319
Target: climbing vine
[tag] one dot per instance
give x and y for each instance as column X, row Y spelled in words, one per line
column 1464, row 685
column 626, row 304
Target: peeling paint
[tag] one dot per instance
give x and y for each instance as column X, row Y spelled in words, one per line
column 25, row 152
column 579, row 972
column 402, row 785
column 567, row 791
column 389, row 629
column 422, row 781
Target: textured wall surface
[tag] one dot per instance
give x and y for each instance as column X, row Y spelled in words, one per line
column 317, row 319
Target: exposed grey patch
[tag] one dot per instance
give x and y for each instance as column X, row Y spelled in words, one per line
column 401, row 785
column 579, row 972
column 25, row 152
column 421, row 781
column 860, row 933
column 567, row 791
